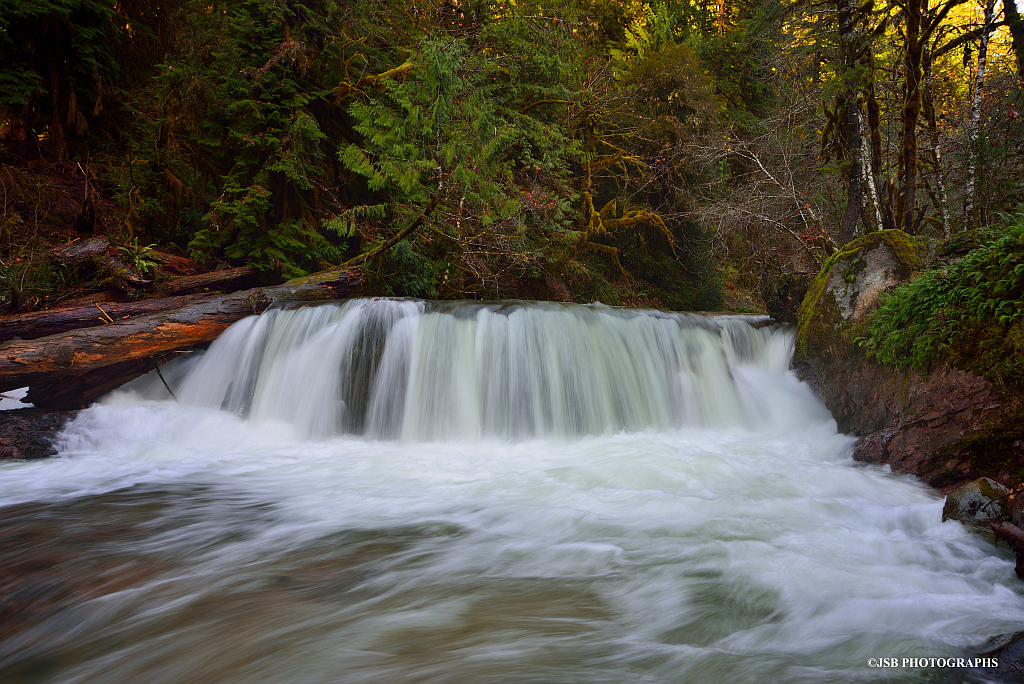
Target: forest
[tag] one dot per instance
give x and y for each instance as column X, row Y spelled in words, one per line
column 688, row 155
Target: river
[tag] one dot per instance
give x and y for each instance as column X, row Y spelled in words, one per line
column 399, row 491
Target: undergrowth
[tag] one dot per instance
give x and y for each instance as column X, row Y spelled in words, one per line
column 969, row 312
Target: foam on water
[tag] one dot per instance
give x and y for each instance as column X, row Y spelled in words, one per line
column 403, row 492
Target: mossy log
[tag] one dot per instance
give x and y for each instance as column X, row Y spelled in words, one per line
column 85, row 361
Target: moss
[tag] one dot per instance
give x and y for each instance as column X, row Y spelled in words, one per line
column 961, row 243
column 994, row 351
column 820, row 323
column 905, row 248
column 993, row 451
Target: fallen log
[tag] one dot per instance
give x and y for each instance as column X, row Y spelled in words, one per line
column 77, row 253
column 124, row 276
column 78, row 391
column 1010, row 533
column 212, row 279
column 73, row 357
column 37, row 324
column 1014, row 536
column 97, row 251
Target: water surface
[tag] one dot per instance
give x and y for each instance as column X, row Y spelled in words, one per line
column 389, row 491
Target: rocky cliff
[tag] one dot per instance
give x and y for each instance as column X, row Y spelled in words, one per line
column 947, row 426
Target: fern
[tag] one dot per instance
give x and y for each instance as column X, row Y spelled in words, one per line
column 934, row 315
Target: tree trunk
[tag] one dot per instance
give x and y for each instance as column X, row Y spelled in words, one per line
column 933, row 140
column 851, row 123
column 870, row 177
column 74, row 358
column 874, row 121
column 974, row 123
column 1016, row 25
column 30, row 326
column 909, row 115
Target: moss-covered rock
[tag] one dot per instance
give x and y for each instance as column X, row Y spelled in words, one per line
column 976, row 502
column 848, row 286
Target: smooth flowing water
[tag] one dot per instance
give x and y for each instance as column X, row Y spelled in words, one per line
column 395, row 491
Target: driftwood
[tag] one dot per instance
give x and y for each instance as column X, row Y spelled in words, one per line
column 83, row 364
column 30, row 326
column 212, row 279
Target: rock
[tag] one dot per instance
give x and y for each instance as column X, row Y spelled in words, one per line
column 849, row 284
column 976, row 502
column 1008, row 649
column 30, row 433
column 948, row 426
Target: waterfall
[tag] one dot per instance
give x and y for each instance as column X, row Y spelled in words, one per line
column 405, row 491
column 418, row 371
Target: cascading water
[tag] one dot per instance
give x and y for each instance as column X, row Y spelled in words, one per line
column 394, row 369
column 398, row 491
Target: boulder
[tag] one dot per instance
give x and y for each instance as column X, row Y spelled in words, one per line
column 848, row 286
column 947, row 426
column 1008, row 649
column 30, row 432
column 977, row 502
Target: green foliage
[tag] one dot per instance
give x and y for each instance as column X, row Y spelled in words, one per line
column 293, row 134
column 55, row 56
column 972, row 305
column 449, row 134
column 242, row 118
column 138, row 256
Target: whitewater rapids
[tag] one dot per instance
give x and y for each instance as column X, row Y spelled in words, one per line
column 397, row 491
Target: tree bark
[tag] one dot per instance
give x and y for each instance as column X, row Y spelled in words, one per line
column 37, row 324
column 212, row 279
column 1016, row 24
column 74, row 357
column 974, row 123
column 909, row 115
column 846, row 10
column 933, row 140
column 870, row 176
column 874, row 122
